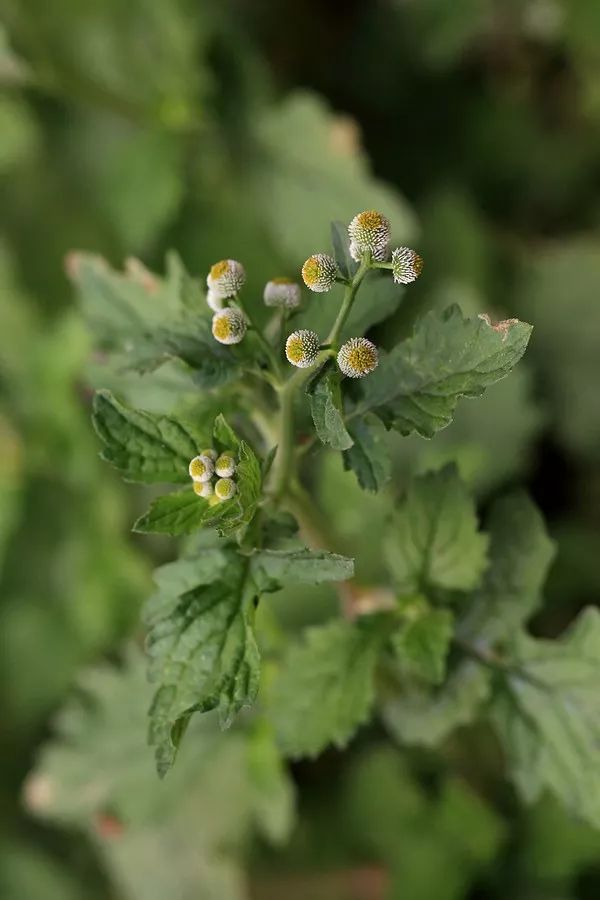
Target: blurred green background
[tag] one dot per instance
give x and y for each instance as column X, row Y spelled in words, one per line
column 240, row 129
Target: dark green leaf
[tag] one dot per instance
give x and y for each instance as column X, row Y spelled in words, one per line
column 325, row 399
column 341, row 250
column 369, row 457
column 180, row 513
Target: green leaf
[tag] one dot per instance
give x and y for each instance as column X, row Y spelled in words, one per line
column 272, row 789
column 520, row 555
column 325, row 688
column 224, row 436
column 548, row 716
column 180, row 513
column 416, row 716
column 369, row 457
column 174, row 579
column 325, row 399
column 341, row 250
column 143, row 446
column 422, row 643
column 435, row 540
column 274, row 569
column 203, row 656
column 190, row 339
column 416, row 387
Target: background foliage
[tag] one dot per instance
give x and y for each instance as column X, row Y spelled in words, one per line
column 231, row 129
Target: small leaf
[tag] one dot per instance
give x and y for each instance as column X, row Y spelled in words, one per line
column 341, row 250
column 180, row 513
column 548, row 716
column 224, row 436
column 421, row 645
column 326, row 408
column 435, row 540
column 416, row 387
column 325, row 688
column 274, row 569
column 369, row 457
column 144, row 446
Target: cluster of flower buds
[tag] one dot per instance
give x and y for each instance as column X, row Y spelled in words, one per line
column 212, row 475
column 356, row 358
column 225, row 279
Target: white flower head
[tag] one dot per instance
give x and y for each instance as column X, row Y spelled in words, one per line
column 229, row 326
column 319, row 272
column 225, row 465
column 215, row 300
column 226, row 278
column 201, row 468
column 369, row 232
column 225, row 488
column 406, row 265
column 282, row 292
column 302, row 348
column 203, row 489
column 358, row 357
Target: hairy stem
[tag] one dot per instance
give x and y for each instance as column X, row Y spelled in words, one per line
column 347, row 302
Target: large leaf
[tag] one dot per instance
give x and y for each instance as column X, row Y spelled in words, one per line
column 416, row 387
column 203, row 656
column 278, row 568
column 325, row 689
column 326, row 408
column 369, row 457
column 548, row 716
column 435, row 541
column 143, row 446
column 520, row 554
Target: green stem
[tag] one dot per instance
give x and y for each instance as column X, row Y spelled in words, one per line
column 347, row 302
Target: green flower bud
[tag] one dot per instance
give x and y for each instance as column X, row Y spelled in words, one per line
column 208, row 451
column 319, row 272
column 358, row 357
column 225, row 488
column 302, row 348
column 369, row 232
column 282, row 292
column 406, row 265
column 226, row 278
column 229, row 326
column 225, row 465
column 201, row 468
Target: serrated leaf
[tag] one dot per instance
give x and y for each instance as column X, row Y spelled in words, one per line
column 180, row 513
column 341, row 250
column 203, row 655
column 416, row 716
column 520, row 555
column 274, row 569
column 174, row 579
column 422, row 643
column 416, row 387
column 435, row 541
column 548, row 716
column 325, row 399
column 144, row 446
column 369, row 457
column 325, row 688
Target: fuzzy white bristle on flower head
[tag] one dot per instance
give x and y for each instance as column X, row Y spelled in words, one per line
column 282, row 292
column 201, row 468
column 302, row 348
column 226, row 278
column 203, row 489
column 358, row 357
column 215, row 300
column 225, row 465
column 229, row 326
column 407, row 265
column 369, row 232
column 225, row 488
column 319, row 272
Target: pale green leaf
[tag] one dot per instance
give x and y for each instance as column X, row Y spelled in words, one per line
column 277, row 568
column 422, row 642
column 435, row 541
column 325, row 399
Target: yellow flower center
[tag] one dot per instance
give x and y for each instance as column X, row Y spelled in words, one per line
column 311, row 270
column 370, row 219
column 197, row 468
column 295, row 350
column 362, row 358
column 222, row 328
column 219, row 269
column 282, row 281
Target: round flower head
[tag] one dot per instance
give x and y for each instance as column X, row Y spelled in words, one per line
column 319, row 272
column 406, row 265
column 302, row 348
column 225, row 488
column 369, row 232
column 229, row 326
column 282, row 292
column 225, row 465
column 203, row 489
column 201, row 468
column 226, row 278
column 208, row 451
column 358, row 357
column 214, row 300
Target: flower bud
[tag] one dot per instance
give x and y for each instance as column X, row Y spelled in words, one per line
column 225, row 465
column 201, row 468
column 369, row 232
column 406, row 265
column 229, row 326
column 226, row 278
column 208, row 451
column 319, row 272
column 214, row 300
column 302, row 348
column 282, row 292
column 203, row 489
column 358, row 357
column 225, row 488
column 213, row 500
